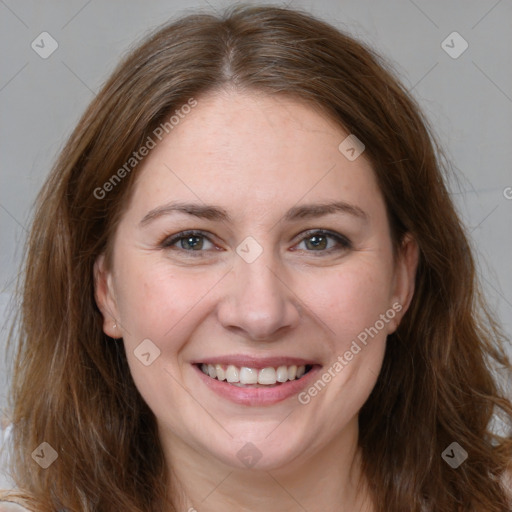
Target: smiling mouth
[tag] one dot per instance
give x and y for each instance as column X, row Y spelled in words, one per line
column 247, row 377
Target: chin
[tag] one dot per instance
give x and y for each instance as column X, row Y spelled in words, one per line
column 257, row 453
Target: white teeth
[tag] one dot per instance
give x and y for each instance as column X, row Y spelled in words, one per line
column 248, row 375
column 268, row 376
column 282, row 374
column 232, row 374
column 221, row 374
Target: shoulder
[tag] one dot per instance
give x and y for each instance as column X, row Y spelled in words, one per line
column 10, row 506
column 9, row 500
column 507, row 483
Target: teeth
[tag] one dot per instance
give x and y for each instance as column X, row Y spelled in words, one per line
column 221, row 374
column 267, row 376
column 242, row 376
column 248, row 375
column 232, row 374
column 282, row 374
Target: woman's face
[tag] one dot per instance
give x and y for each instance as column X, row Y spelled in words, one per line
column 270, row 284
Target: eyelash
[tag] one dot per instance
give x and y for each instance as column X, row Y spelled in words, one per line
column 343, row 242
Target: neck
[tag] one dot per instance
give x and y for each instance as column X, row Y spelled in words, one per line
column 330, row 480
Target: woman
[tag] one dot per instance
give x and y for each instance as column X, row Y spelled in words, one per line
column 247, row 289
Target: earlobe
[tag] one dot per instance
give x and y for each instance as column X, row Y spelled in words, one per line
column 405, row 277
column 105, row 298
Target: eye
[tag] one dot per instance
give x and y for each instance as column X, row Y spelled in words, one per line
column 189, row 241
column 318, row 241
column 324, row 241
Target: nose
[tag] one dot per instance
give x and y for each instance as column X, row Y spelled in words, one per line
column 259, row 303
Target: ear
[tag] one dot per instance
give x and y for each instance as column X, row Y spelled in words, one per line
column 105, row 298
column 404, row 279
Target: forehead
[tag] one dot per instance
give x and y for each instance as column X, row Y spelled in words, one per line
column 254, row 152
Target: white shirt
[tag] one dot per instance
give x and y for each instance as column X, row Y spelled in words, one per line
column 5, row 481
column 9, row 506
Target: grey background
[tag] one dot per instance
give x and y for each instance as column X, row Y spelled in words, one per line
column 468, row 100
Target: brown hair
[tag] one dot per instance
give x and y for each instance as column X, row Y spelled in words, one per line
column 72, row 387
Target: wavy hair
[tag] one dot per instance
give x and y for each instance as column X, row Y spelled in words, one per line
column 71, row 383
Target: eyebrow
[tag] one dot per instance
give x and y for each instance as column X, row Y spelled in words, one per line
column 216, row 213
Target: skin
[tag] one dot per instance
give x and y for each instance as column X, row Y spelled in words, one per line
column 256, row 156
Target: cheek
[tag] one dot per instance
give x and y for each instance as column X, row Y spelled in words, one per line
column 352, row 297
column 160, row 304
column 350, row 302
column 148, row 296
column 157, row 301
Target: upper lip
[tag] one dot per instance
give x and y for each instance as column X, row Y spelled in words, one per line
column 256, row 362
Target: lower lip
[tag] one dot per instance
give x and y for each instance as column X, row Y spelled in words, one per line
column 258, row 396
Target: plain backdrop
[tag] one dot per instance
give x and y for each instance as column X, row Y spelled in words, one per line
column 466, row 97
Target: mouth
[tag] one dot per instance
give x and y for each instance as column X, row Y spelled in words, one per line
column 256, row 382
column 246, row 376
